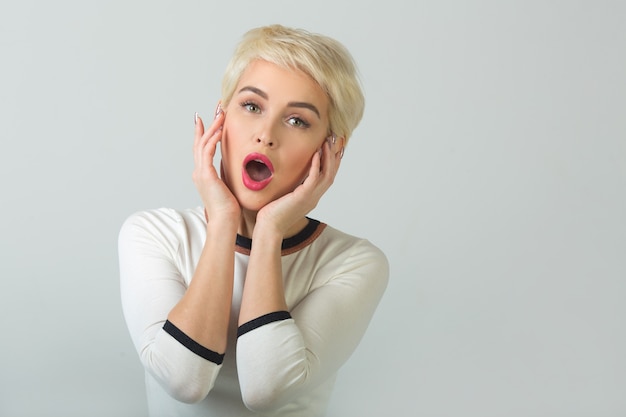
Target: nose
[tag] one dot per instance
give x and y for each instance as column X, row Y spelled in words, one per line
column 267, row 132
column 267, row 142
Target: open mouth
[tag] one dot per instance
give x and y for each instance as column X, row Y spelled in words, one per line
column 257, row 171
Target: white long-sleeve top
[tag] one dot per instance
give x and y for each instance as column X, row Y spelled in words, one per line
column 281, row 364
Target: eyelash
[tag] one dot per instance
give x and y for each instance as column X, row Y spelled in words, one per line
column 246, row 104
column 303, row 123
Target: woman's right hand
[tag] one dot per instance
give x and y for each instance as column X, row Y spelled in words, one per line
column 219, row 201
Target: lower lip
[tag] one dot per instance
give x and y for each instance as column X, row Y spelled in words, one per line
column 252, row 184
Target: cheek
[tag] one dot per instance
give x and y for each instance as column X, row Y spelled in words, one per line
column 228, row 143
column 301, row 164
column 228, row 155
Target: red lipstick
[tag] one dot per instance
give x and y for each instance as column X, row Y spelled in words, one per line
column 257, row 171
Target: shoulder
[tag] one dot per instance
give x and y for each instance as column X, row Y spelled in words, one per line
column 162, row 224
column 337, row 240
column 354, row 253
column 164, row 216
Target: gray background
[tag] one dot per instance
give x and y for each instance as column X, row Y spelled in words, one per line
column 490, row 167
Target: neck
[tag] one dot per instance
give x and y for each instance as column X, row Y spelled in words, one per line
column 248, row 222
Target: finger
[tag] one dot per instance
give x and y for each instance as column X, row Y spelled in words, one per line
column 214, row 127
column 216, row 121
column 202, row 141
column 208, row 151
column 198, row 134
column 328, row 160
column 199, row 129
column 214, row 133
column 210, row 147
column 338, row 150
column 316, row 166
column 331, row 161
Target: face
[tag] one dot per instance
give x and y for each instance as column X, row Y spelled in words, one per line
column 275, row 122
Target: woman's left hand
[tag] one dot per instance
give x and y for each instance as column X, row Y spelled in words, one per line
column 286, row 211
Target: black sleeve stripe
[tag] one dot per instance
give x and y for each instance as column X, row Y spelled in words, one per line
column 260, row 321
column 192, row 345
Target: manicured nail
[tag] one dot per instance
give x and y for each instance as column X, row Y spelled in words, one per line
column 195, row 118
column 218, row 110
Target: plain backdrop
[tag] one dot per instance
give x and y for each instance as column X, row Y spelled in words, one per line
column 490, row 167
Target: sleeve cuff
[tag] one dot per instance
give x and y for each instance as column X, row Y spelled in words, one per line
column 192, row 345
column 261, row 321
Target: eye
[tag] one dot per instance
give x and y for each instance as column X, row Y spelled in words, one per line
column 298, row 122
column 251, row 107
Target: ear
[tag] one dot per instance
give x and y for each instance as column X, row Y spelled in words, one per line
column 343, row 146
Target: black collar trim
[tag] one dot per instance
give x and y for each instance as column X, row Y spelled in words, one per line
column 291, row 244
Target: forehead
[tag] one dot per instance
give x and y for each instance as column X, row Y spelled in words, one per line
column 282, row 84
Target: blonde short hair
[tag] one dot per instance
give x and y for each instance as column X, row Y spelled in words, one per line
column 324, row 59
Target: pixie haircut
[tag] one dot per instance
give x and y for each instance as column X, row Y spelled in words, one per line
column 324, row 59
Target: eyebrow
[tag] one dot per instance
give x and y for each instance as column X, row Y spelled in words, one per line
column 300, row 104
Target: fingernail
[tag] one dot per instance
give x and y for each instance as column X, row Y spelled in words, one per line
column 320, row 152
column 195, row 118
column 218, row 110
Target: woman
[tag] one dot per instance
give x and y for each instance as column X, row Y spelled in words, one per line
column 246, row 306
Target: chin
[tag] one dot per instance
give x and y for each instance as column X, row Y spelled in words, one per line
column 250, row 201
column 256, row 200
column 253, row 207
